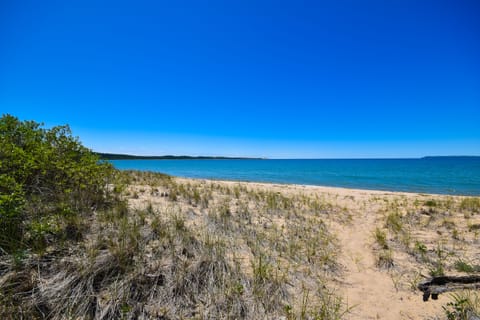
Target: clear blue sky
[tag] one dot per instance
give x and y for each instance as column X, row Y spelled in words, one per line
column 317, row 79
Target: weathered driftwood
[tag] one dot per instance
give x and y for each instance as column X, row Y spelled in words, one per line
column 437, row 285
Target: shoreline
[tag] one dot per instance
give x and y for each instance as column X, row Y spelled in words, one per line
column 326, row 188
column 430, row 176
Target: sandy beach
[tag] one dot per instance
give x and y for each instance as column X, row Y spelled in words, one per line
column 118, row 117
column 382, row 243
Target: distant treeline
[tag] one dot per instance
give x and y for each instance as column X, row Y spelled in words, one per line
column 450, row 157
column 114, row 156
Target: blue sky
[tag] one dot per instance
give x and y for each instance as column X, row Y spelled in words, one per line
column 279, row 79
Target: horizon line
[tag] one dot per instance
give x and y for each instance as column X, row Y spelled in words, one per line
column 223, row 157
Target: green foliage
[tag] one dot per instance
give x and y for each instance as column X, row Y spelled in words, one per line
column 420, row 247
column 11, row 196
column 381, row 238
column 385, row 259
column 438, row 268
column 45, row 175
column 463, row 266
column 394, row 222
column 464, row 306
column 431, row 203
column 12, row 200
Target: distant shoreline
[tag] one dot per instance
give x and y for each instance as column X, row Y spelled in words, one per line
column 120, row 156
column 115, row 156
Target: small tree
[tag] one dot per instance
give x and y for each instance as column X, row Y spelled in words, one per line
column 47, row 178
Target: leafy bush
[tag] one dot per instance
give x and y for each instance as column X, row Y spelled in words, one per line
column 45, row 175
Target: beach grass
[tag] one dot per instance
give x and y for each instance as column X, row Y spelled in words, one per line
column 183, row 248
column 81, row 240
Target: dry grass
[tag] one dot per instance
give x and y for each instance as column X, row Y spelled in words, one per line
column 192, row 249
column 436, row 230
column 185, row 250
column 434, row 236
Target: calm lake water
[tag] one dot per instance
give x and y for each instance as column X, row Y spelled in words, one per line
column 460, row 176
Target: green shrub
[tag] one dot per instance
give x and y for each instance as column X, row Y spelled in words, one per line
column 12, row 200
column 45, row 173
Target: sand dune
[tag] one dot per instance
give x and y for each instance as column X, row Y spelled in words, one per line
column 374, row 278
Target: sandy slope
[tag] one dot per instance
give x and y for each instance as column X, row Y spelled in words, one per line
column 370, row 291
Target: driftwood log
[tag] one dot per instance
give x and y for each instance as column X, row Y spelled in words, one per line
column 437, row 285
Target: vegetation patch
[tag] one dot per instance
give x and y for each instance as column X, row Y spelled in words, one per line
column 47, row 180
column 80, row 240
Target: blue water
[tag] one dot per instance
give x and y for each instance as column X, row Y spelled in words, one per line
column 460, row 176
